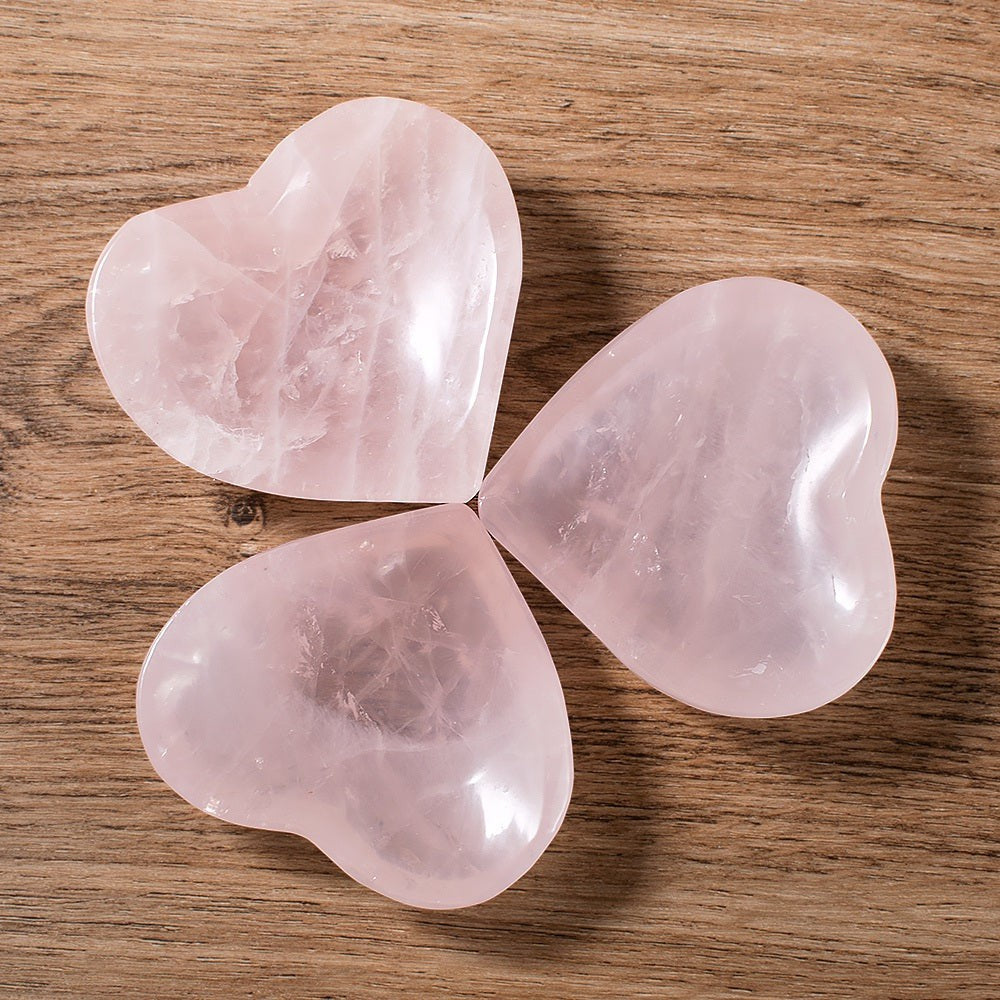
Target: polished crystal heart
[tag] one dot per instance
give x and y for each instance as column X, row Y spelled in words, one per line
column 382, row 690
column 338, row 328
column 704, row 494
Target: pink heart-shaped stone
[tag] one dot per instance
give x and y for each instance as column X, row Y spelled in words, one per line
column 704, row 494
column 338, row 328
column 382, row 690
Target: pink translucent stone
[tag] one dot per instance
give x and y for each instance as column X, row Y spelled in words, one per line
column 381, row 690
column 338, row 328
column 704, row 494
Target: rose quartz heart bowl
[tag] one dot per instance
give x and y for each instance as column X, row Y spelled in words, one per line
column 337, row 329
column 705, row 495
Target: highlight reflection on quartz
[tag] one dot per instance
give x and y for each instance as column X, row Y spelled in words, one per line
column 704, row 494
column 381, row 690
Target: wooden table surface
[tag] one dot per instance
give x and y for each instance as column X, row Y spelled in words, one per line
column 848, row 145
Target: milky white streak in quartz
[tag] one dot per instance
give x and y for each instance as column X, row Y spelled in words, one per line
column 704, row 494
column 335, row 330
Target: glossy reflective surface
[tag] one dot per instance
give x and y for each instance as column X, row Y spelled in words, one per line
column 337, row 329
column 381, row 690
column 704, row 494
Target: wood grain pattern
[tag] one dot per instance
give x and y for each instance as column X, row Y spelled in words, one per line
column 849, row 145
